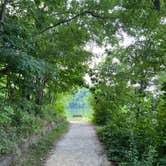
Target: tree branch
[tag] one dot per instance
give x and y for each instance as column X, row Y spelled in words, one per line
column 95, row 15
column 70, row 19
column 60, row 22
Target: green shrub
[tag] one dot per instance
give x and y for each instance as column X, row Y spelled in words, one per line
column 124, row 149
column 29, row 124
column 49, row 113
column 6, row 113
column 132, row 141
column 8, row 138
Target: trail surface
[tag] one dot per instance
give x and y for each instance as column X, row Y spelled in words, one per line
column 79, row 147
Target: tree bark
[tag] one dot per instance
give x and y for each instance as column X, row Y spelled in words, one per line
column 3, row 14
column 157, row 4
column 41, row 90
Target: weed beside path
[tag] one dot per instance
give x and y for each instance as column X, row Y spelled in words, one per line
column 38, row 153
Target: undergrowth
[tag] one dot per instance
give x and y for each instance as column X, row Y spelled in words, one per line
column 37, row 153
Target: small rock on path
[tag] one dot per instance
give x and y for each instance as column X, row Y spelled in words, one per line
column 79, row 147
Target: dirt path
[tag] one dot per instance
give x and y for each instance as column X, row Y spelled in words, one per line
column 79, row 147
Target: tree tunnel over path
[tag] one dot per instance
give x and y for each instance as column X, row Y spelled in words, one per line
column 47, row 47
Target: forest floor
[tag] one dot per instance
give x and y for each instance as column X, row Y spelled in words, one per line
column 79, row 147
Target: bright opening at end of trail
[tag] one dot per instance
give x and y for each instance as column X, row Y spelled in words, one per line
column 79, row 107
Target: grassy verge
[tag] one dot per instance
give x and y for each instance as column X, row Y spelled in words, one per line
column 38, row 153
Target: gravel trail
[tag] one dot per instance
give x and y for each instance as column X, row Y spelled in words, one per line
column 79, row 147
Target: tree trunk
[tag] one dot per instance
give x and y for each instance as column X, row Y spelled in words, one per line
column 41, row 90
column 40, row 96
column 157, row 4
column 3, row 14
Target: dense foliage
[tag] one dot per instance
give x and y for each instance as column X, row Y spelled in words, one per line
column 41, row 55
column 129, row 88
